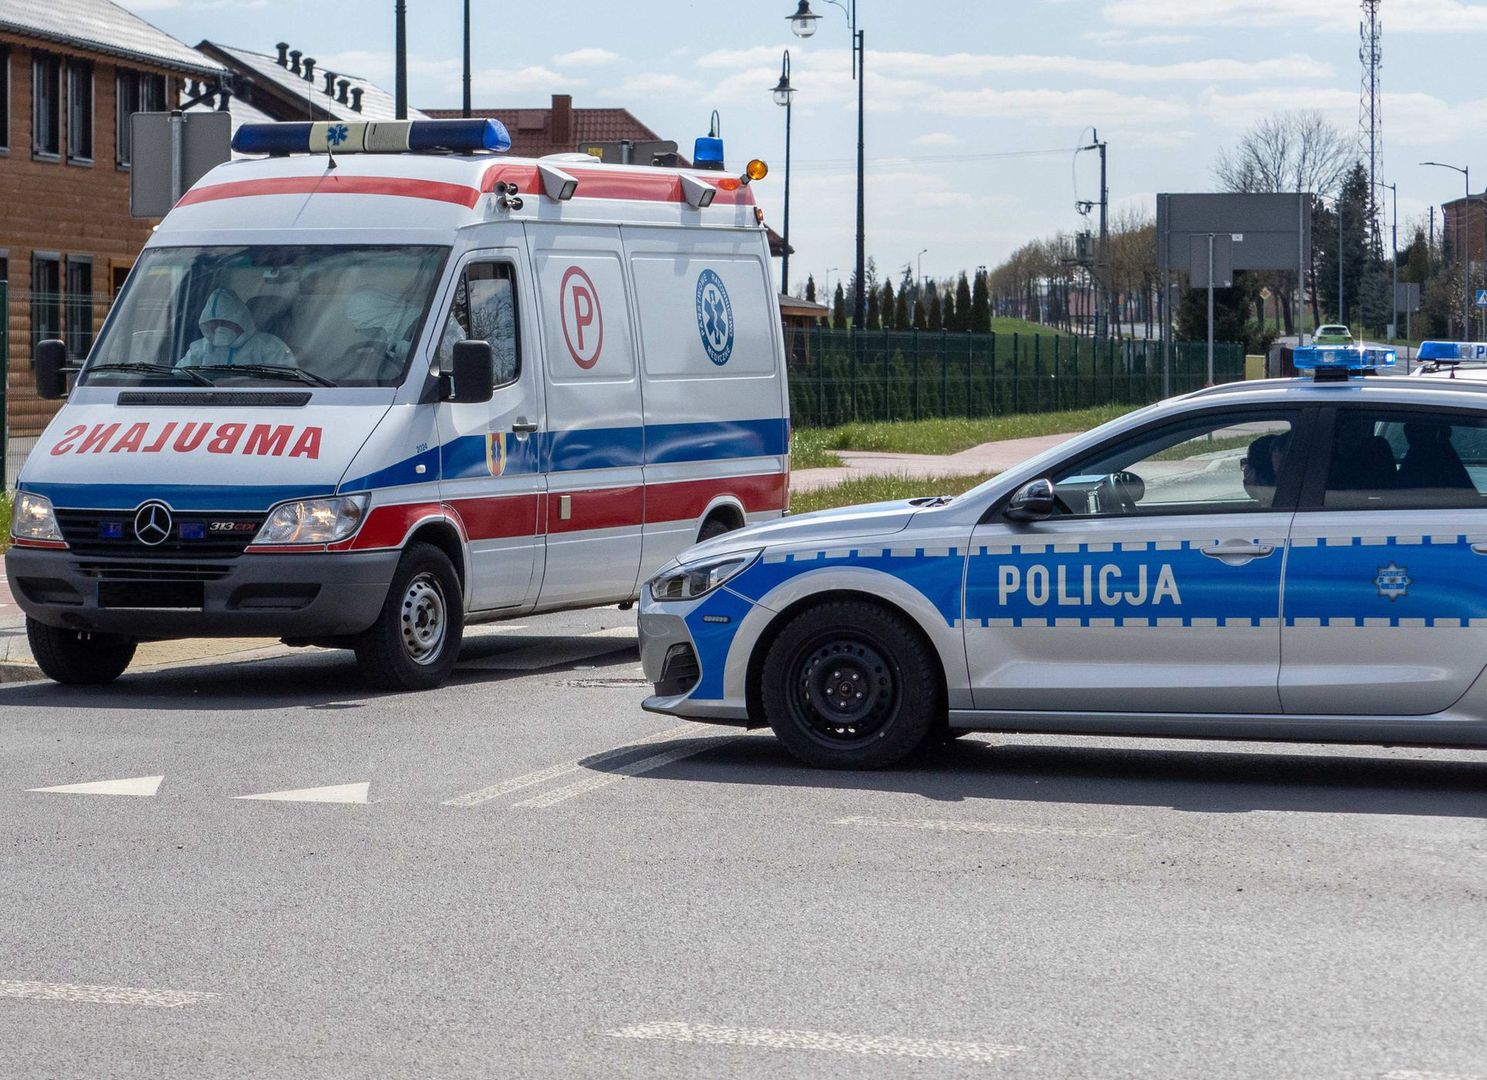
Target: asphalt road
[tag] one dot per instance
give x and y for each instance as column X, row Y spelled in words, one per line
column 543, row 881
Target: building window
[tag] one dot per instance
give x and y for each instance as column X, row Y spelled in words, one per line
column 79, row 110
column 46, row 298
column 4, row 98
column 138, row 91
column 46, row 105
column 79, row 336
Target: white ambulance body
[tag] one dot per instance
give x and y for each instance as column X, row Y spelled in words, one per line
column 326, row 476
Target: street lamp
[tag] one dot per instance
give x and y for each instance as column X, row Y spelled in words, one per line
column 919, row 259
column 465, row 111
column 1466, row 247
column 803, row 23
column 784, row 94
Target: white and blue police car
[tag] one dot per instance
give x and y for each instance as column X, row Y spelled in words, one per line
column 1296, row 560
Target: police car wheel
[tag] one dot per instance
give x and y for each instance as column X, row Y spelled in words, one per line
column 78, row 657
column 415, row 641
column 850, row 685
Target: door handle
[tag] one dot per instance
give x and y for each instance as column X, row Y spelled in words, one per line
column 1238, row 550
column 1479, row 549
column 523, row 427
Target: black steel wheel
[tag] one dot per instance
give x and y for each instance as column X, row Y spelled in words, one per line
column 851, row 685
column 415, row 641
column 78, row 657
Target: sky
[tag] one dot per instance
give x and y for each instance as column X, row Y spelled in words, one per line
column 973, row 109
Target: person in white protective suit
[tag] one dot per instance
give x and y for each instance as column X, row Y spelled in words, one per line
column 230, row 336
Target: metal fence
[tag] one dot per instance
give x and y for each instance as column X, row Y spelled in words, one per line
column 838, row 376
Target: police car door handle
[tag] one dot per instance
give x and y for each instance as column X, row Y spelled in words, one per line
column 1239, row 551
column 1479, row 549
column 523, row 427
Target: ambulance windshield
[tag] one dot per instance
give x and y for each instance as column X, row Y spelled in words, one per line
column 320, row 315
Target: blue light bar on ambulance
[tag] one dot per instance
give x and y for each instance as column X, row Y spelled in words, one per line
column 372, row 137
column 1452, row 352
column 1344, row 358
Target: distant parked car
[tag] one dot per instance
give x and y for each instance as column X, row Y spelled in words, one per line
column 1333, row 335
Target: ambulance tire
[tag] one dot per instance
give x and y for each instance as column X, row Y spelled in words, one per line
column 415, row 641
column 713, row 528
column 851, row 685
column 78, row 657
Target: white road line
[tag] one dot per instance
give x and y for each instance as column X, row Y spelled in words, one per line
column 831, row 1042
column 985, row 827
column 1427, row 1074
column 335, row 793
column 101, row 995
column 634, row 768
column 552, row 772
column 143, row 786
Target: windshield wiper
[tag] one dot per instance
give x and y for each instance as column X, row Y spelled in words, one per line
column 145, row 368
column 277, row 371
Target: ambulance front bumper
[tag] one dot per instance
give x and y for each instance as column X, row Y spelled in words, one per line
column 272, row 595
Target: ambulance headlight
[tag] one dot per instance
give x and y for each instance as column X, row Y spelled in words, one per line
column 691, row 580
column 33, row 518
column 313, row 521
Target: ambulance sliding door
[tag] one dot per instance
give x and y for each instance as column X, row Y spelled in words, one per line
column 593, row 445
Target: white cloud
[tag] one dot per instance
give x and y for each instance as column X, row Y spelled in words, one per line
column 937, row 138
column 1411, row 16
column 1073, row 109
column 1127, row 39
column 651, row 85
column 586, row 57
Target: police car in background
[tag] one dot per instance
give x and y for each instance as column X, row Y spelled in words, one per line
column 1300, row 559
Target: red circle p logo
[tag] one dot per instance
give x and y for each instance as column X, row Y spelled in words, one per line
column 583, row 320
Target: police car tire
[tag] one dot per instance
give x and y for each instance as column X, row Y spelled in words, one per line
column 909, row 664
column 78, row 657
column 380, row 652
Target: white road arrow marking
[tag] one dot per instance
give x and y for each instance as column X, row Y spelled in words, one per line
column 101, row 995
column 340, row 793
column 137, row 785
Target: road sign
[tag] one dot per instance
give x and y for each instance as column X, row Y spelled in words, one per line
column 172, row 151
column 1482, row 298
column 1219, row 249
column 1265, row 293
column 1407, row 296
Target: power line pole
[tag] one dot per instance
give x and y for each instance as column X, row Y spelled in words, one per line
column 1370, row 116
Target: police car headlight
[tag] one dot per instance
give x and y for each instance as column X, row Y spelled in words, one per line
column 691, row 580
column 33, row 518
column 313, row 521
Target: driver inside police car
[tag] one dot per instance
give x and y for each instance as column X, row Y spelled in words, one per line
column 1261, row 465
column 229, row 335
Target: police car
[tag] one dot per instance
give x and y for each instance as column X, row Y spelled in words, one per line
column 1300, row 559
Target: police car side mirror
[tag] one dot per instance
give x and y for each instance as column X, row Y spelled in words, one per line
column 473, row 380
column 1033, row 502
column 51, row 370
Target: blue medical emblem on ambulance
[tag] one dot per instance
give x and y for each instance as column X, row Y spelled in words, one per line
column 336, row 134
column 714, row 317
column 1393, row 581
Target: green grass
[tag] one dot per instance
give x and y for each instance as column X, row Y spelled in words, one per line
column 808, row 449
column 949, row 436
column 5, row 505
column 870, row 489
column 1002, row 325
column 1198, row 447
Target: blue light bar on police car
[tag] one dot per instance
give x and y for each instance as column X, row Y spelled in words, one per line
column 1453, row 352
column 1344, row 358
column 373, row 137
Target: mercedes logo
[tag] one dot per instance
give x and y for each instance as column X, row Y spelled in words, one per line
column 152, row 524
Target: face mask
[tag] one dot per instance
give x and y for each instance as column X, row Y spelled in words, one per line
column 223, row 336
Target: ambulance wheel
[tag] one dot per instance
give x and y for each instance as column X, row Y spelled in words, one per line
column 415, row 641
column 78, row 657
column 712, row 528
column 850, row 685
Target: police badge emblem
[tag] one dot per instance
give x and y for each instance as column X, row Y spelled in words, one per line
column 1393, row 581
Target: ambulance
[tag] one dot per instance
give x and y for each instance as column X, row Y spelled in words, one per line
column 375, row 382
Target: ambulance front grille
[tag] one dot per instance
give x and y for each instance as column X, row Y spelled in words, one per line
column 193, row 534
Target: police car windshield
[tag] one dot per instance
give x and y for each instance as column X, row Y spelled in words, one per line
column 342, row 315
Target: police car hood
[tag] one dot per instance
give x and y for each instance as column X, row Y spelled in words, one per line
column 100, row 453
column 873, row 519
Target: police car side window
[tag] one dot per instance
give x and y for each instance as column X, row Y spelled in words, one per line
column 1212, row 464
column 484, row 308
column 1406, row 460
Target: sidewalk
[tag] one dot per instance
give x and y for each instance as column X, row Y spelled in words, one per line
column 989, row 457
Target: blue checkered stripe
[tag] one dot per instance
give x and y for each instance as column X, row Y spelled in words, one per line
column 1406, row 582
column 1163, row 583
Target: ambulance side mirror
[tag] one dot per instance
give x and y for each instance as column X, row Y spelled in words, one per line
column 1033, row 502
column 51, row 369
column 473, row 381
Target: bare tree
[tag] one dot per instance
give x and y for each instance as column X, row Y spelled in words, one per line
column 1288, row 151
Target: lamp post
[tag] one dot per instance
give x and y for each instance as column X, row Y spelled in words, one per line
column 803, row 23
column 465, row 112
column 1466, row 247
column 1394, row 262
column 400, row 62
column 919, row 268
column 784, row 95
